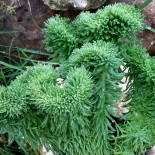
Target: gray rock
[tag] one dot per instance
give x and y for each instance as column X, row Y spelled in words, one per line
column 151, row 151
column 74, row 4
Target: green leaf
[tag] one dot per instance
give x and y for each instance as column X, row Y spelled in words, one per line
column 10, row 66
column 150, row 28
column 145, row 4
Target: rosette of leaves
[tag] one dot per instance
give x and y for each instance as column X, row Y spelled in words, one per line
column 60, row 38
column 13, row 101
column 16, row 94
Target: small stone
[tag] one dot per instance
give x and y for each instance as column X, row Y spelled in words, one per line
column 151, row 151
column 74, row 4
column 50, row 153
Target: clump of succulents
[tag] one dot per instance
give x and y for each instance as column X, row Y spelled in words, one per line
column 71, row 108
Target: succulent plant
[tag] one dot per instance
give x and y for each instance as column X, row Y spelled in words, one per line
column 71, row 108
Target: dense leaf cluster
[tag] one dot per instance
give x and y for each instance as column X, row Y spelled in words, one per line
column 72, row 111
column 138, row 132
column 71, row 108
column 112, row 23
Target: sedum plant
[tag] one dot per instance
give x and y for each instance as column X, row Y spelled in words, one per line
column 71, row 108
column 112, row 23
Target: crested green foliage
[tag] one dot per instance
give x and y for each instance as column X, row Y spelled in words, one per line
column 112, row 23
column 46, row 103
column 76, row 107
column 103, row 62
column 14, row 101
column 71, row 108
column 61, row 38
